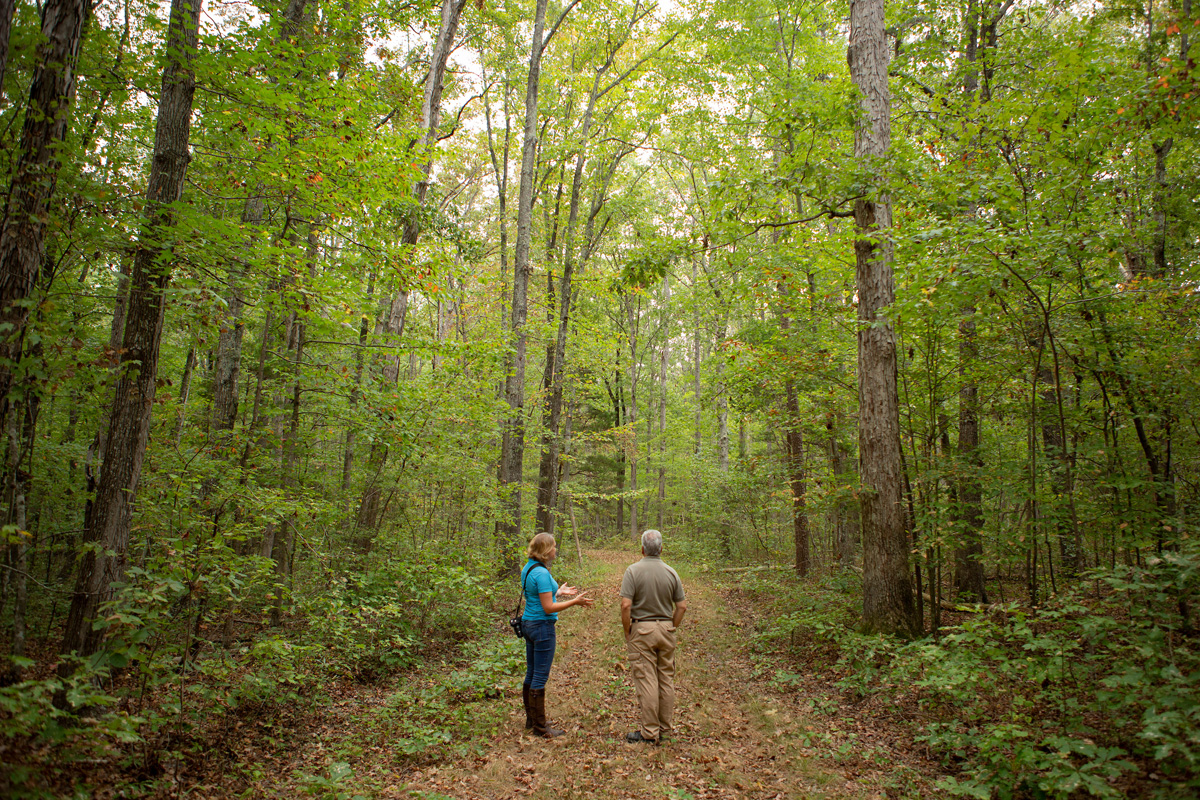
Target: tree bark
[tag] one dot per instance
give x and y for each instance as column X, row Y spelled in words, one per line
column 431, row 110
column 696, row 346
column 512, row 445
column 794, row 441
column 108, row 524
column 556, row 365
column 887, row 583
column 227, row 368
column 185, row 388
column 664, row 360
column 35, row 175
column 632, row 411
column 500, row 170
column 968, row 553
column 7, row 8
column 847, row 517
column 968, row 506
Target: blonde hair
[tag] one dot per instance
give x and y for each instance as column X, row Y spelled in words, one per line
column 540, row 547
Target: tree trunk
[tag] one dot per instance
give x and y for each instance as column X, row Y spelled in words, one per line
column 35, row 174
column 722, row 391
column 283, row 545
column 500, row 170
column 847, row 517
column 17, row 490
column 968, row 552
column 108, row 524
column 632, row 413
column 797, row 478
column 364, row 330
column 887, row 584
column 556, row 365
column 664, row 360
column 7, row 8
column 794, row 439
column 696, row 345
column 185, row 388
column 512, row 446
column 229, row 340
column 392, row 324
column 431, row 109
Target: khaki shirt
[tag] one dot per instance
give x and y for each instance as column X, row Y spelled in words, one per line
column 654, row 588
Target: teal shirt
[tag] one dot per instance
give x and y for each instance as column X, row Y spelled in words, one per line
column 540, row 580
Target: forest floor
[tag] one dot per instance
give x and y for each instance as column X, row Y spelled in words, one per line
column 737, row 734
column 429, row 735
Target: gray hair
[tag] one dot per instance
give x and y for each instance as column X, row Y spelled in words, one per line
column 652, row 542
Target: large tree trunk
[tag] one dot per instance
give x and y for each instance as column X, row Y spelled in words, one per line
column 7, row 8
column 551, row 441
column 887, row 589
column 35, row 174
column 512, row 446
column 108, row 524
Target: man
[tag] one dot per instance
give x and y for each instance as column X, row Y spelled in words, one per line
column 652, row 608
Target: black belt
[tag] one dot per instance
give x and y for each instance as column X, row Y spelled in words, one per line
column 653, row 619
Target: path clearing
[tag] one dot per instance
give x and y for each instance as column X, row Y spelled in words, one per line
column 735, row 737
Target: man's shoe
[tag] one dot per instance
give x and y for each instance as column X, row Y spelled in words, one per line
column 636, row 736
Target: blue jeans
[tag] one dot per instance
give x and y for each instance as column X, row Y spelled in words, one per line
column 539, row 651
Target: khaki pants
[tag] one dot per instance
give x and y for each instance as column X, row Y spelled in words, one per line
column 652, row 660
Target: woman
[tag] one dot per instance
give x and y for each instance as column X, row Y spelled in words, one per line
column 541, row 612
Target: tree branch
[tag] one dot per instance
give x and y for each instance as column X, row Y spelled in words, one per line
column 554, row 29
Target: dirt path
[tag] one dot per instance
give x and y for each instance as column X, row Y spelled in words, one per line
column 735, row 737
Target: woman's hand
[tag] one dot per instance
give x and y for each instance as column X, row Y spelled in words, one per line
column 568, row 591
column 550, row 606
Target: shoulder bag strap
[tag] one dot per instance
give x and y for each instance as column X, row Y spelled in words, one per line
column 521, row 601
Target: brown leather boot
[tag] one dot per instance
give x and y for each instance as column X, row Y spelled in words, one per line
column 525, row 692
column 537, row 698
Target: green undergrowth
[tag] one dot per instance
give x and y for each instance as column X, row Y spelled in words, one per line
column 1096, row 693
column 445, row 714
column 170, row 692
